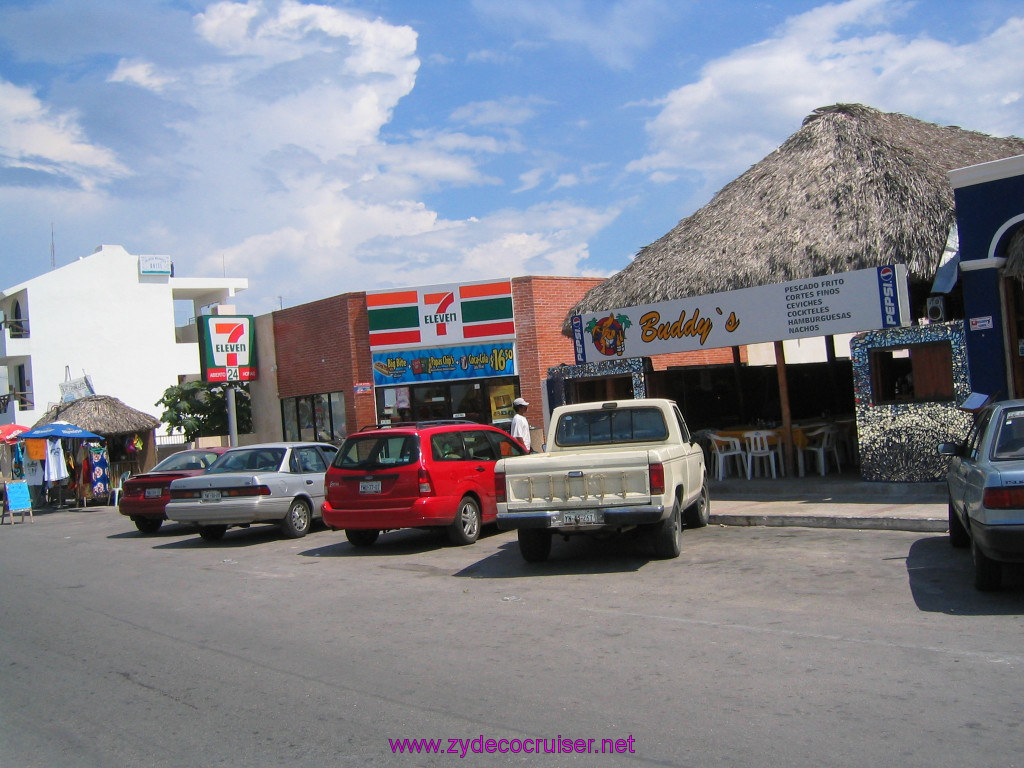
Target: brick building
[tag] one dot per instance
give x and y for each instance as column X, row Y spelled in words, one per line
column 360, row 358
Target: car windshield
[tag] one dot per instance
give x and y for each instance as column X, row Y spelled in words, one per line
column 612, row 425
column 249, row 460
column 1010, row 440
column 186, row 460
column 372, row 451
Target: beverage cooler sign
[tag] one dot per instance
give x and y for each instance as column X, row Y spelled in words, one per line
column 444, row 364
column 849, row 302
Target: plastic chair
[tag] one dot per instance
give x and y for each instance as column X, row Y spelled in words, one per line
column 760, row 450
column 115, row 490
column 821, row 442
column 725, row 448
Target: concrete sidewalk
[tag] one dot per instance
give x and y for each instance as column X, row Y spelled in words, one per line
column 832, row 501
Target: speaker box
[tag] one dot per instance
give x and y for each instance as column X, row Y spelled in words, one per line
column 936, row 308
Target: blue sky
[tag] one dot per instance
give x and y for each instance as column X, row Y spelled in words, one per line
column 320, row 148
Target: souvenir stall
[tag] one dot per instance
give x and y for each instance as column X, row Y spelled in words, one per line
column 51, row 446
column 123, row 444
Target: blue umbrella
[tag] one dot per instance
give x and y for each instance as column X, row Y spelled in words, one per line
column 58, row 429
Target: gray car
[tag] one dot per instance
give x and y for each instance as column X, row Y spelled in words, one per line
column 986, row 491
column 280, row 483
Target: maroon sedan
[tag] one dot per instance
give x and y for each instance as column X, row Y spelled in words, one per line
column 143, row 497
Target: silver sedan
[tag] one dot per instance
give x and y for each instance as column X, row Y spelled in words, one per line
column 280, row 483
column 986, row 491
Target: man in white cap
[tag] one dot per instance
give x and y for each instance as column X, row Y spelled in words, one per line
column 520, row 426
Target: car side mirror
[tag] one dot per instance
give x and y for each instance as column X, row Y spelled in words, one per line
column 949, row 449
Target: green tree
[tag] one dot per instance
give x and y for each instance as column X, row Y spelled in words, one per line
column 200, row 409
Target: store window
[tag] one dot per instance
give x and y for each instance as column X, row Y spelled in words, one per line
column 918, row 372
column 485, row 401
column 314, row 417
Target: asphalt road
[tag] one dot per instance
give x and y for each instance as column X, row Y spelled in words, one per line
column 757, row 647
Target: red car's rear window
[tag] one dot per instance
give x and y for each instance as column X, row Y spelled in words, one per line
column 374, row 451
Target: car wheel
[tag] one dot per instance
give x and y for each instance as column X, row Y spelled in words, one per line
column 534, row 544
column 147, row 524
column 668, row 535
column 466, row 527
column 988, row 573
column 698, row 513
column 298, row 520
column 212, row 532
column 361, row 538
column 958, row 535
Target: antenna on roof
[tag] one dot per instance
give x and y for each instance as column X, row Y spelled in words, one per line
column 53, row 253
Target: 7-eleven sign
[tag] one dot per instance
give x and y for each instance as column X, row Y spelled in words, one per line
column 227, row 347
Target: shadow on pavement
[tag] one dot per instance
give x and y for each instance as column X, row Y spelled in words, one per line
column 942, row 581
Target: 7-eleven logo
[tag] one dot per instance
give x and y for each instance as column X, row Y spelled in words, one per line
column 230, row 341
column 443, row 313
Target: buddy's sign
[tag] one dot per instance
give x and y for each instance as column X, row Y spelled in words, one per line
column 227, row 347
column 849, row 302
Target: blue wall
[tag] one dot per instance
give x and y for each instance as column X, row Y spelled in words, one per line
column 981, row 209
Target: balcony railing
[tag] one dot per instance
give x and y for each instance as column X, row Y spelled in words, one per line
column 17, row 328
column 23, row 399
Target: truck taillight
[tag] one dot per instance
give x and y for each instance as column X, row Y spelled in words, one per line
column 657, row 474
column 426, row 488
column 1003, row 498
column 499, row 487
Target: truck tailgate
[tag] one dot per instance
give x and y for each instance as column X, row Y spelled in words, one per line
column 571, row 480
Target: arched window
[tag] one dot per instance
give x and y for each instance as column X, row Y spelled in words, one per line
column 17, row 324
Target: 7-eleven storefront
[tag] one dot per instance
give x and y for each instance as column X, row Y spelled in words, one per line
column 463, row 350
column 444, row 351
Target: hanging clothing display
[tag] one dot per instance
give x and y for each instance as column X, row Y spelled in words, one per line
column 99, row 473
column 84, row 477
column 36, row 448
column 56, row 468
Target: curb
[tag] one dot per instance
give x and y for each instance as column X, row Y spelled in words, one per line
column 917, row 525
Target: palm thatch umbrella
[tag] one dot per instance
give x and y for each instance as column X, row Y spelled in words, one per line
column 102, row 414
column 853, row 188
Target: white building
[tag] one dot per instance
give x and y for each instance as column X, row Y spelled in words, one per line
column 110, row 317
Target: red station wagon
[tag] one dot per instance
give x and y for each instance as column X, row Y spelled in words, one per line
column 425, row 475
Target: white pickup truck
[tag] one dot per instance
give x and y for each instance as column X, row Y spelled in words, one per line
column 609, row 466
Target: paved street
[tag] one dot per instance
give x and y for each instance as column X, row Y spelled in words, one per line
column 759, row 646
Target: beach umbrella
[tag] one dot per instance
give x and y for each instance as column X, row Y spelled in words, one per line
column 10, row 433
column 58, row 429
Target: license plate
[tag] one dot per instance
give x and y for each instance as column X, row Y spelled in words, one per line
column 579, row 518
column 152, row 493
column 210, row 496
column 369, row 486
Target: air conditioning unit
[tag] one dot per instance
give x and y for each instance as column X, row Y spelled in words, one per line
column 936, row 308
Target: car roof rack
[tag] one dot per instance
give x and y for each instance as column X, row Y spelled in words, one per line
column 418, row 424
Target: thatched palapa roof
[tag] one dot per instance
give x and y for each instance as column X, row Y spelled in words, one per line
column 853, row 188
column 102, row 414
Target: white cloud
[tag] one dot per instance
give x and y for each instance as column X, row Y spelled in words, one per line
column 504, row 112
column 611, row 32
column 37, row 139
column 140, row 73
column 746, row 103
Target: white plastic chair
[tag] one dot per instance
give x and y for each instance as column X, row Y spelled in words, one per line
column 723, row 449
column 760, row 450
column 820, row 443
column 115, row 490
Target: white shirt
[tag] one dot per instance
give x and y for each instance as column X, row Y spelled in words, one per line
column 521, row 430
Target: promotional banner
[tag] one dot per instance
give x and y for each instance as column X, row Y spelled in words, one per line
column 440, row 315
column 865, row 300
column 444, row 364
column 227, row 347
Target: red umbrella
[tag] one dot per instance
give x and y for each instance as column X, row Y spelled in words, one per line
column 9, row 432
